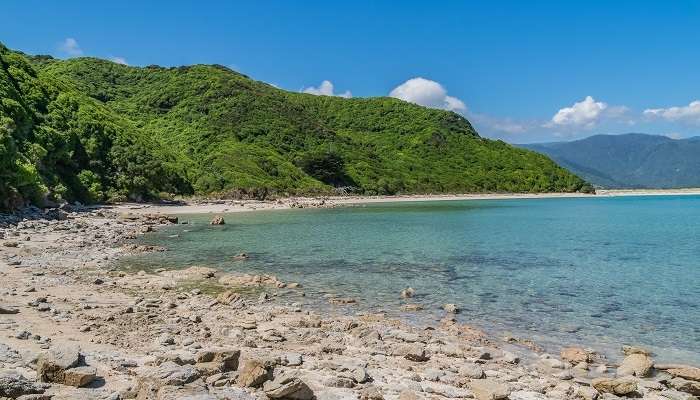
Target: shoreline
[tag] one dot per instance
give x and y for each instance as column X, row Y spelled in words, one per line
column 135, row 329
column 232, row 206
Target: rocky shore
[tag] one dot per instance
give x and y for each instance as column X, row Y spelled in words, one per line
column 73, row 326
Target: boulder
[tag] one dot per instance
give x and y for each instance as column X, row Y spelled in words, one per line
column 616, row 386
column 14, row 385
column 218, row 220
column 149, row 380
column 629, row 350
column 79, row 376
column 288, row 387
column 636, row 364
column 253, row 374
column 575, row 355
column 489, row 389
column 684, row 385
column 226, row 359
column 408, row 292
column 51, row 366
column 471, row 371
column 451, row 308
column 690, row 373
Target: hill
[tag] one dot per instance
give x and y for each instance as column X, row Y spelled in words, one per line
column 629, row 161
column 92, row 130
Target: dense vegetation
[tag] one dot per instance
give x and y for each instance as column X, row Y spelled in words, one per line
column 92, row 130
column 629, row 161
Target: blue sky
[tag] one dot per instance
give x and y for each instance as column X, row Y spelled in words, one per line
column 521, row 71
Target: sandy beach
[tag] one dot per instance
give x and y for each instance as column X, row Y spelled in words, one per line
column 76, row 327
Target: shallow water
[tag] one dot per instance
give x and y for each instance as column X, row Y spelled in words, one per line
column 599, row 272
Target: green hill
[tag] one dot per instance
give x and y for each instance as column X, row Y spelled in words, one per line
column 93, row 130
column 631, row 160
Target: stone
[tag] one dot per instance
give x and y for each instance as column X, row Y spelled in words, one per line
column 412, row 352
column 409, row 395
column 690, row 373
column 253, row 374
column 51, row 366
column 288, row 387
column 79, row 376
column 451, row 308
column 149, row 380
column 227, row 297
column 629, row 350
column 339, row 382
column 489, row 389
column 575, row 355
column 226, row 359
column 636, row 364
column 293, row 359
column 472, row 371
column 586, row 393
column 371, row 393
column 684, row 385
column 6, row 310
column 218, row 220
column 14, row 385
column 616, row 386
column 408, row 292
column 411, row 307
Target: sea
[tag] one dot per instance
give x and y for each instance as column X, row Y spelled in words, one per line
column 597, row 272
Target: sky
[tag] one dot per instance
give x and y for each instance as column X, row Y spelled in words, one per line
column 521, row 71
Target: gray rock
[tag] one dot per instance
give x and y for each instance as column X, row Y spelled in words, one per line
column 13, row 385
column 288, row 387
column 7, row 310
column 472, row 371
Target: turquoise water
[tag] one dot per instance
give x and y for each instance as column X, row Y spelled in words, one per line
column 601, row 272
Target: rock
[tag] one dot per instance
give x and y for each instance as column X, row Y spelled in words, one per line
column 288, row 387
column 409, row 395
column 371, row 393
column 629, row 350
column 14, row 385
column 690, row 373
column 451, row 308
column 98, row 281
column 79, row 376
column 218, row 220
column 253, row 374
column 586, row 393
column 471, row 371
column 10, row 244
column 636, row 364
column 227, row 360
column 411, row 307
column 6, row 310
column 149, row 380
column 342, row 300
column 575, row 355
column 241, row 256
column 408, row 292
column 339, row 382
column 684, row 385
column 51, row 366
column 488, row 389
column 227, row 297
column 412, row 352
column 616, row 386
column 293, row 359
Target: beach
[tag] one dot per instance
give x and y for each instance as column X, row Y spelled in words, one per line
column 76, row 326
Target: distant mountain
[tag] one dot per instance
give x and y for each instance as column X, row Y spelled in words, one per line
column 631, row 160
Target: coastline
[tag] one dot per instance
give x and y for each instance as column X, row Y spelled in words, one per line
column 232, row 206
column 136, row 329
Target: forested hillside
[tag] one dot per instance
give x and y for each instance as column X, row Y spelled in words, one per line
column 631, row 160
column 92, row 130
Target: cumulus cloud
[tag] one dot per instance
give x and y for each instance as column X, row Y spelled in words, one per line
column 71, row 47
column 585, row 114
column 326, row 89
column 689, row 113
column 119, row 60
column 427, row 93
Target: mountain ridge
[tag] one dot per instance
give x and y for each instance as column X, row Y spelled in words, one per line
column 632, row 160
column 92, row 130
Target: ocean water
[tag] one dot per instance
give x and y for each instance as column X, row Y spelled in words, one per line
column 599, row 272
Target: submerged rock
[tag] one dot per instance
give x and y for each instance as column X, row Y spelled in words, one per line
column 616, row 386
column 408, row 292
column 218, row 220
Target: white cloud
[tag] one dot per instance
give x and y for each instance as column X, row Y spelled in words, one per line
column 427, row 93
column 326, row 89
column 71, row 47
column 119, row 60
column 584, row 114
column 689, row 113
